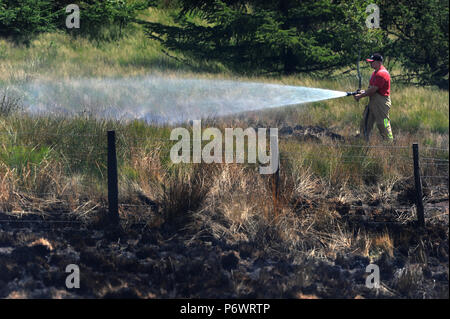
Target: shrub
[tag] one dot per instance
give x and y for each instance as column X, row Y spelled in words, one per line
column 23, row 19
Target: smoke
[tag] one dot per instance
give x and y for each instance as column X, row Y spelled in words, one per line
column 160, row 99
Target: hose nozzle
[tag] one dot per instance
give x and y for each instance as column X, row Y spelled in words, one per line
column 354, row 93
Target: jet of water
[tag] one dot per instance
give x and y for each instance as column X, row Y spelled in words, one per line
column 161, row 99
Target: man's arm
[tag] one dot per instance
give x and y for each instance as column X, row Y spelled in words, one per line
column 369, row 92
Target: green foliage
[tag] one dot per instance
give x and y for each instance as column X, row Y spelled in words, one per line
column 270, row 36
column 23, row 19
column 101, row 20
column 418, row 33
column 19, row 157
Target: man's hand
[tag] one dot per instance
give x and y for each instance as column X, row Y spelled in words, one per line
column 360, row 95
column 370, row 91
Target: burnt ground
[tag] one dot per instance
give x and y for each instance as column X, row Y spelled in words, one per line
column 145, row 260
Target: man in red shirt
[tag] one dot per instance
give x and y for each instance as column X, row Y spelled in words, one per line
column 377, row 111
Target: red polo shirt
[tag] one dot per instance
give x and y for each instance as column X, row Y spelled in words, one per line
column 382, row 80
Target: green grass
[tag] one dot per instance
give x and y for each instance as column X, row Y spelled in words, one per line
column 18, row 156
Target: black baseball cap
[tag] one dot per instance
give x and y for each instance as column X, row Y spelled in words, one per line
column 375, row 57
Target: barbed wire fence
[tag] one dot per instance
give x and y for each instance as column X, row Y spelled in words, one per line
column 99, row 160
column 430, row 168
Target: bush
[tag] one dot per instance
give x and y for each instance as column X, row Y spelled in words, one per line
column 418, row 37
column 103, row 20
column 23, row 19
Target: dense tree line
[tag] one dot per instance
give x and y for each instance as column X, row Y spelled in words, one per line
column 262, row 36
column 284, row 36
column 21, row 20
column 287, row 36
column 418, row 38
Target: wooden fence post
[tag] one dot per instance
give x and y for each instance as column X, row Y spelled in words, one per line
column 418, row 184
column 113, row 189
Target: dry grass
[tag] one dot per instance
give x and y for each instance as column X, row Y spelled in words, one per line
column 408, row 280
column 383, row 244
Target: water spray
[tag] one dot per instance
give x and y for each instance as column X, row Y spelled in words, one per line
column 354, row 92
column 161, row 99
